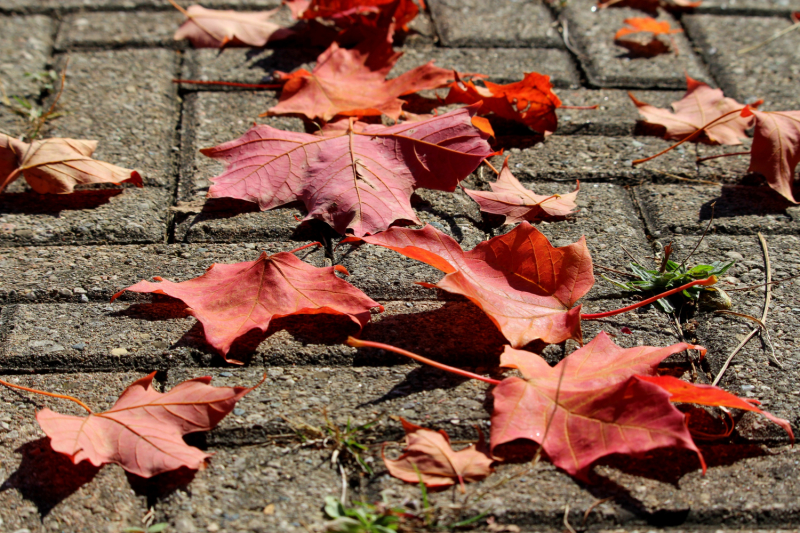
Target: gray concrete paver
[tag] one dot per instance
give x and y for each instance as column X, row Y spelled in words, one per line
column 503, row 23
column 750, row 374
column 501, row 65
column 70, row 6
column 770, row 72
column 125, row 99
column 81, row 274
column 601, row 158
column 25, row 49
column 113, row 30
column 129, row 215
column 243, row 65
column 609, row 65
column 739, row 210
column 748, row 7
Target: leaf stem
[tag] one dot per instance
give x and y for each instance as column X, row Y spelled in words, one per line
column 231, row 84
column 581, row 107
column 357, row 343
column 309, row 245
column 63, row 397
column 10, row 178
column 705, row 282
column 688, row 137
column 709, row 157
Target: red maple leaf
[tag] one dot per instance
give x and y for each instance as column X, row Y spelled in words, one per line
column 213, row 28
column 649, row 25
column 361, row 180
column 685, row 392
column 530, row 101
column 345, row 11
column 589, row 405
column 776, row 148
column 353, row 82
column 143, row 432
column 700, row 106
column 510, row 198
column 57, row 165
column 231, row 300
column 437, row 464
column 524, row 284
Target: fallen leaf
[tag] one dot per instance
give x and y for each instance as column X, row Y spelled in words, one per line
column 685, row 392
column 213, row 28
column 231, row 300
column 526, row 286
column 353, row 82
column 645, row 24
column 602, row 408
column 699, row 106
column 57, row 165
column 530, row 101
column 400, row 11
column 435, row 460
column 775, row 152
column 143, row 432
column 361, row 180
column 510, row 198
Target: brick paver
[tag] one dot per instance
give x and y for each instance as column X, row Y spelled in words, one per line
column 62, row 259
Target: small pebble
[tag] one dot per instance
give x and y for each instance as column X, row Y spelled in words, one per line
column 118, row 351
column 238, row 412
column 409, row 304
column 81, row 346
column 225, row 374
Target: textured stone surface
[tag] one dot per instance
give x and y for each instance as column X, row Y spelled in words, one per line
column 615, row 116
column 112, row 30
column 69, row 6
column 600, row 158
column 771, row 72
column 82, row 274
column 25, row 49
column 243, row 65
column 125, row 99
column 751, row 375
column 502, row 65
column 609, row 65
column 129, row 215
column 749, row 7
column 739, row 210
column 501, row 23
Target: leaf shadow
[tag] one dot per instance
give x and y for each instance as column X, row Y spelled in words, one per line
column 46, row 477
column 31, row 203
column 161, row 486
column 641, row 49
column 741, row 200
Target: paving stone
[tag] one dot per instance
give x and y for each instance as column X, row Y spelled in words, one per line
column 504, row 23
column 739, row 210
column 163, row 335
column 600, row 158
column 749, row 7
column 502, row 65
column 609, row 65
column 750, row 374
column 771, row 72
column 298, row 395
column 114, row 30
column 11, row 123
column 232, row 493
column 616, row 116
column 43, row 490
column 25, row 49
column 129, row 215
column 243, row 65
column 126, row 100
column 80, row 274
column 643, row 492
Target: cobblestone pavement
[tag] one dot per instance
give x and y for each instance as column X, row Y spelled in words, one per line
column 62, row 258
